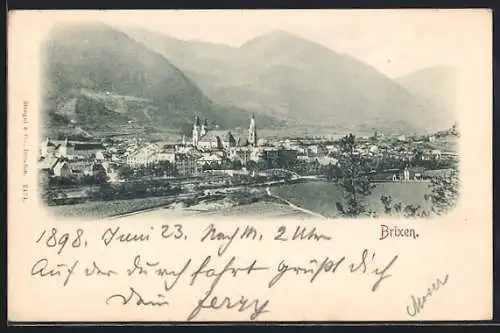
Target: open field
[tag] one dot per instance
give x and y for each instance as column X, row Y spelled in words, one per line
column 321, row 197
column 105, row 209
column 261, row 209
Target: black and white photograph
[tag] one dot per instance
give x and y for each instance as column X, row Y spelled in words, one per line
column 254, row 118
column 250, row 165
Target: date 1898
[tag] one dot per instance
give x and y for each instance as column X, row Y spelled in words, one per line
column 59, row 240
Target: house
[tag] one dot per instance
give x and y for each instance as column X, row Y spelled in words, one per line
column 416, row 173
column 278, row 158
column 186, row 165
column 81, row 167
column 111, row 170
column 65, row 149
column 436, row 154
column 88, row 149
column 243, row 154
column 83, row 149
column 141, row 156
column 47, row 163
column 100, row 156
column 209, row 161
column 384, row 175
column 62, row 169
column 162, row 156
column 47, row 148
column 145, row 157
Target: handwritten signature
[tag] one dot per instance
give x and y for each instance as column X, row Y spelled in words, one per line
column 139, row 300
column 215, row 303
column 418, row 303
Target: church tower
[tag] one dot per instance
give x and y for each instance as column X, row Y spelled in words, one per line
column 196, row 131
column 252, row 133
column 204, row 128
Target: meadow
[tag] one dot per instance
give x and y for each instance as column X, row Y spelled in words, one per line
column 106, row 209
column 321, row 197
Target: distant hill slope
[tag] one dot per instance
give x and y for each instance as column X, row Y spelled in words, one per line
column 287, row 76
column 435, row 86
column 96, row 76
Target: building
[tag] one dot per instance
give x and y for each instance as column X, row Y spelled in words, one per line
column 406, row 174
column 252, row 133
column 186, row 165
column 88, row 149
column 142, row 158
column 436, row 154
column 204, row 128
column 212, row 161
column 204, row 138
column 81, row 167
column 212, row 140
column 278, row 158
column 196, row 131
column 62, row 169
column 111, row 170
column 47, row 148
column 79, row 149
column 162, row 156
column 65, row 149
column 243, row 154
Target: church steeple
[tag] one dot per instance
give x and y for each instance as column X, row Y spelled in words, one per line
column 196, row 131
column 204, row 128
column 252, row 132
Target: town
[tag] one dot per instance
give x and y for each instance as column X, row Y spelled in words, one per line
column 129, row 167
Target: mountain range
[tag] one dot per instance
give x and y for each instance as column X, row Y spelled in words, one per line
column 103, row 79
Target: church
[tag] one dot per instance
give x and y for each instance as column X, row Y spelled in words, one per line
column 204, row 138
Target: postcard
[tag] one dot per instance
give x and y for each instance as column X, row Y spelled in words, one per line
column 250, row 165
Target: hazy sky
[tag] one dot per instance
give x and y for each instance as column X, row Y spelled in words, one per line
column 396, row 42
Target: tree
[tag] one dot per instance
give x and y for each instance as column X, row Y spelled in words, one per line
column 125, row 171
column 352, row 175
column 231, row 140
column 443, row 197
column 99, row 174
column 396, row 208
column 444, row 192
column 252, row 165
column 330, row 171
column 236, row 164
column 163, row 168
column 50, row 194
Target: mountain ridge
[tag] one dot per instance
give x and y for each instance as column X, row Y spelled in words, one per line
column 302, row 82
column 96, row 58
column 158, row 81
